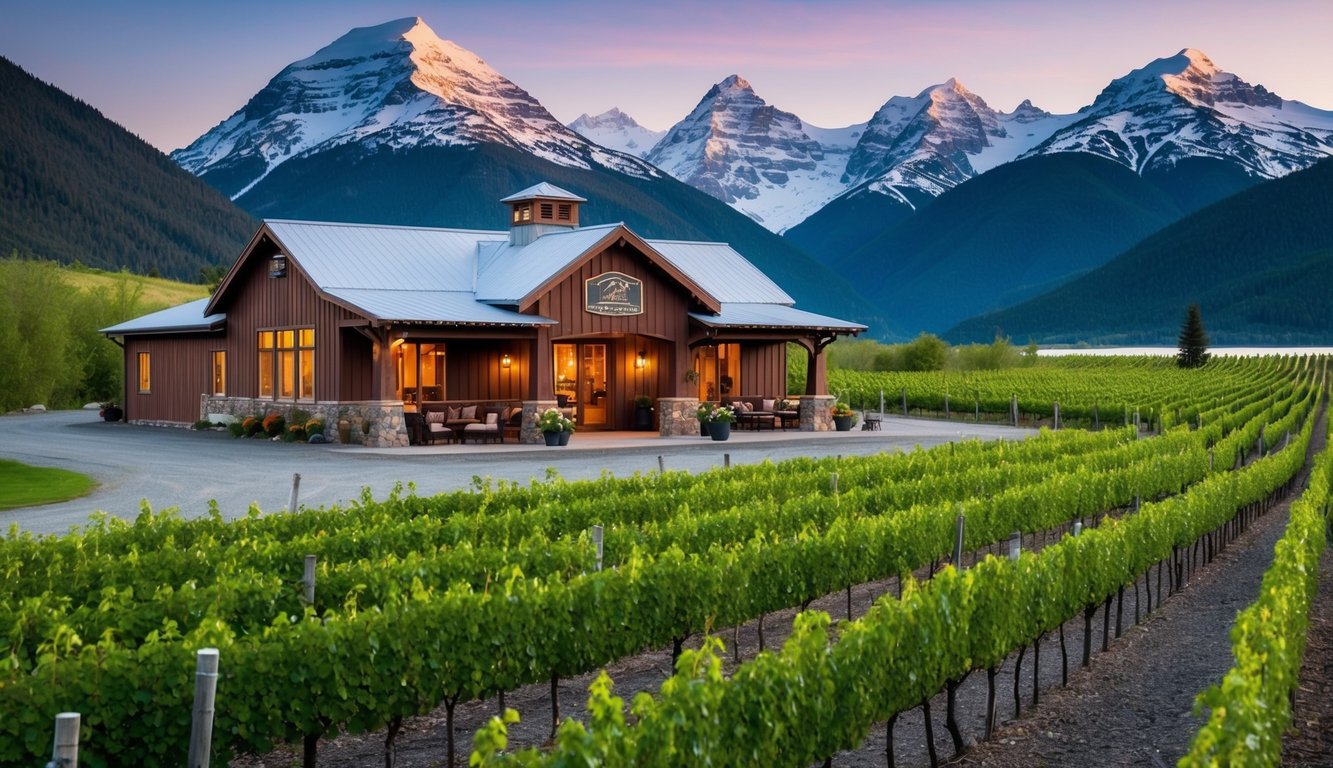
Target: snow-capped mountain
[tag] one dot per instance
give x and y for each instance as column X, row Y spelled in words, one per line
column 1183, row 106
column 616, row 130
column 392, row 85
column 762, row 161
column 940, row 138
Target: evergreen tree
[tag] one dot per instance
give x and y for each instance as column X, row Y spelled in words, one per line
column 1193, row 341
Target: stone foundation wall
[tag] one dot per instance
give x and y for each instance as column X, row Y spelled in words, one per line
column 816, row 413
column 529, row 433
column 374, row 424
column 678, row 416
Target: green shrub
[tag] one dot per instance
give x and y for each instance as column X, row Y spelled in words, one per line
column 274, row 424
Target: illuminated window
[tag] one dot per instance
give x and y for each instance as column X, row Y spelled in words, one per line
column 287, row 364
column 420, row 372
column 522, row 213
column 719, row 369
column 306, row 363
column 219, row 372
column 145, row 374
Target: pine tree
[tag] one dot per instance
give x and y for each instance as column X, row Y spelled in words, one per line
column 1193, row 341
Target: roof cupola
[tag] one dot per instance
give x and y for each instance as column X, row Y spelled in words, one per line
column 541, row 209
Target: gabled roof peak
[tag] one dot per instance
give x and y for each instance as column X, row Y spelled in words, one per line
column 544, row 190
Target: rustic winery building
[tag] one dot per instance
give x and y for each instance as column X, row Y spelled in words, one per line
column 373, row 324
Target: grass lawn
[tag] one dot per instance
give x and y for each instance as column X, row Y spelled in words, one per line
column 25, row 486
column 157, row 291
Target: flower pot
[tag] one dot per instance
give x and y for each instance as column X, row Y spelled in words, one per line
column 719, row 430
column 843, row 423
column 643, row 417
column 564, row 437
column 344, row 431
column 552, row 438
column 703, row 429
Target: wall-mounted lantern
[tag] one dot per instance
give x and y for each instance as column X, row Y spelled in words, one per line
column 641, row 360
column 506, row 360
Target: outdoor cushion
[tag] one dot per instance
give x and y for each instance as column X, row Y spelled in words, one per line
column 455, row 413
column 438, row 429
column 492, row 418
column 768, row 404
column 469, row 412
column 435, row 417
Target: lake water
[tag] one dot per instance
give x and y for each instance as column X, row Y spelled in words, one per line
column 1171, row 351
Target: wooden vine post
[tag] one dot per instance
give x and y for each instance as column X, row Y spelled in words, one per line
column 65, row 747
column 205, row 691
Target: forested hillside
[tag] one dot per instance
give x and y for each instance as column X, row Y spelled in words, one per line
column 1259, row 264
column 75, row 186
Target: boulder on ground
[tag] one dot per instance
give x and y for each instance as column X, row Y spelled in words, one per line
column 38, row 408
column 92, row 406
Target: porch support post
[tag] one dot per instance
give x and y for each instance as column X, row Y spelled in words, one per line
column 816, row 372
column 541, row 374
column 383, row 377
column 684, row 361
column 816, row 407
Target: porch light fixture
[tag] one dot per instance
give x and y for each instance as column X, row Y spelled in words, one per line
column 641, row 360
column 506, row 360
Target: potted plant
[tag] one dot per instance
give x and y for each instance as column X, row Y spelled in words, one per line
column 567, row 430
column 643, row 412
column 719, row 420
column 843, row 417
column 552, row 424
column 111, row 412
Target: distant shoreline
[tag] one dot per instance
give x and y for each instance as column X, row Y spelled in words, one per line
column 1171, row 351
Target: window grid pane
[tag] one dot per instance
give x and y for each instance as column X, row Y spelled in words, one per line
column 219, row 372
column 145, row 374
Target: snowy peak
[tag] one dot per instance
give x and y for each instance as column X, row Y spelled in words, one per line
column 925, row 142
column 1184, row 106
column 394, row 85
column 1026, row 112
column 751, row 155
column 618, row 131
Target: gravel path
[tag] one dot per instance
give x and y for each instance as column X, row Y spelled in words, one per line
column 186, row 469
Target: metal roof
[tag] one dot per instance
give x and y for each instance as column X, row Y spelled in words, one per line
column 477, row 277
column 370, row 256
column 185, row 318
column 722, row 272
column 514, row 271
column 543, row 189
column 743, row 315
column 442, row 307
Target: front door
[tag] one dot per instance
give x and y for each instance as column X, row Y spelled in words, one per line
column 592, row 385
column 582, row 383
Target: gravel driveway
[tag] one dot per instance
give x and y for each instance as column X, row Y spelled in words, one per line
column 187, row 469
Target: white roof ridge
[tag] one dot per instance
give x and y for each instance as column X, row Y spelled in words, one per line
column 689, row 242
column 395, row 290
column 499, row 234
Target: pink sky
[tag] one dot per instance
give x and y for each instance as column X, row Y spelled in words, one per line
column 169, row 71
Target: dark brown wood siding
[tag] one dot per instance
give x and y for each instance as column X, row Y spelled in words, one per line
column 764, row 370
column 181, row 369
column 665, row 303
column 662, row 325
column 473, row 369
column 259, row 302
